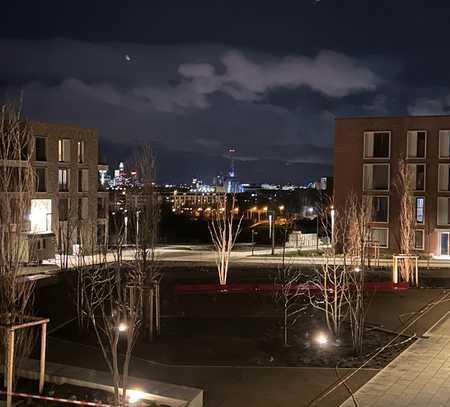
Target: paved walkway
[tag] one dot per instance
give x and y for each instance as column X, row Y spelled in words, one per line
column 419, row 377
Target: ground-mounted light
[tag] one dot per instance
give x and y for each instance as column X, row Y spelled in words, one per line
column 321, row 339
column 122, row 327
column 134, row 396
column 357, row 269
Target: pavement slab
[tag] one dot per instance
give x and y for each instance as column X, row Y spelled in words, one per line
column 420, row 376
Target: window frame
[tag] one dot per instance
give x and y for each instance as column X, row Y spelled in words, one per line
column 415, row 209
column 409, row 165
column 440, row 132
column 438, row 211
column 67, row 171
column 408, row 144
column 441, row 165
column 44, row 169
column 423, row 239
column 371, row 208
column 365, row 165
column 45, row 148
column 62, row 150
column 387, row 235
column 372, row 132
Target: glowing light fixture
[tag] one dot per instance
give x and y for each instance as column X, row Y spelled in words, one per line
column 122, row 327
column 321, row 339
column 134, row 396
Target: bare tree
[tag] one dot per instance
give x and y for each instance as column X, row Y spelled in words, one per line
column 330, row 283
column 404, row 187
column 289, row 295
column 358, row 237
column 113, row 295
column 224, row 227
column 17, row 184
column 146, row 210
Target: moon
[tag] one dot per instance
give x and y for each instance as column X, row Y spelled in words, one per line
column 127, row 58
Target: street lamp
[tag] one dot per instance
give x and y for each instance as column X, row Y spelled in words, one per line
column 333, row 215
column 126, row 228
column 137, row 229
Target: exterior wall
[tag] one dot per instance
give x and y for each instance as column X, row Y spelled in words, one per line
column 53, row 133
column 349, row 160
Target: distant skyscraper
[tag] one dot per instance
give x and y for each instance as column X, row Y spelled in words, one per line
column 231, row 183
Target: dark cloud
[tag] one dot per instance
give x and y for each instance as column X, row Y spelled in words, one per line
column 194, row 100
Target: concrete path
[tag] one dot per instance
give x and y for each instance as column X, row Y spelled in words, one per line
column 419, row 377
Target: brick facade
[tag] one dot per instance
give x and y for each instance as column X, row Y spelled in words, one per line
column 349, row 162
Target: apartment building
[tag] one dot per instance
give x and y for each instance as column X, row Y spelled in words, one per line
column 367, row 154
column 68, row 201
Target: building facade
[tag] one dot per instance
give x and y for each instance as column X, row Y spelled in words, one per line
column 367, row 156
column 68, row 202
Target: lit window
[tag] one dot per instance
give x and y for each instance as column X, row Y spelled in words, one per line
column 64, row 150
column 80, row 151
column 420, row 210
column 41, row 215
column 63, row 179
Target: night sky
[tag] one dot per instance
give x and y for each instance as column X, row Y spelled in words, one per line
column 192, row 78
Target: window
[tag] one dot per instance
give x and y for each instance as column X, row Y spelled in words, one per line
column 442, row 211
column 380, row 208
column 376, row 177
column 83, row 180
column 420, row 210
column 101, row 234
column 444, row 144
column 63, row 179
column 41, row 148
column 380, row 236
column 416, row 143
column 64, row 150
column 41, row 179
column 80, row 151
column 417, row 172
column 419, row 240
column 63, row 209
column 443, row 177
column 41, row 215
column 101, row 212
column 83, row 208
column 377, row 144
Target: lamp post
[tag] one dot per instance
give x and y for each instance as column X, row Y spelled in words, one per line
column 125, row 239
column 137, row 229
column 271, row 215
column 333, row 215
